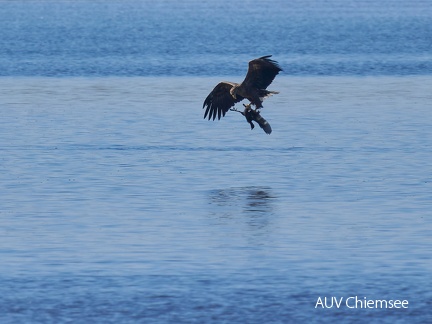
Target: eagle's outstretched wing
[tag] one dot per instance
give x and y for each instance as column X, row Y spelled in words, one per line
column 219, row 101
column 261, row 72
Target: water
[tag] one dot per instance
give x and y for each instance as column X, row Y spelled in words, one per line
column 146, row 38
column 120, row 204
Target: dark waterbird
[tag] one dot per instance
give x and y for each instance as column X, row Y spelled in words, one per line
column 254, row 115
column 225, row 95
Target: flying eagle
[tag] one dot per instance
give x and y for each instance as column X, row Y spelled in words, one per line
column 225, row 95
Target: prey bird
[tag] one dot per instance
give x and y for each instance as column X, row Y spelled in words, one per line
column 225, row 95
column 254, row 115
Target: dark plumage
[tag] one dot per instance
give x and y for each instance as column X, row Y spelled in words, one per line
column 225, row 95
column 254, row 115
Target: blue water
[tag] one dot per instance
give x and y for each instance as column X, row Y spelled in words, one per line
column 120, row 204
column 209, row 38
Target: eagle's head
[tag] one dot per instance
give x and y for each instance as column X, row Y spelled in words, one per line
column 233, row 91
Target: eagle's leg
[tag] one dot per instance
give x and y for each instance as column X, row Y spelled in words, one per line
column 257, row 109
column 248, row 106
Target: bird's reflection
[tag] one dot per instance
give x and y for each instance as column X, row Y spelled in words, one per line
column 258, row 200
column 254, row 203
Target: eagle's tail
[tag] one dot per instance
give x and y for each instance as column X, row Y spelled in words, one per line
column 266, row 93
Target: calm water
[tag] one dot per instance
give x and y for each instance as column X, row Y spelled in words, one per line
column 120, row 204
column 209, row 38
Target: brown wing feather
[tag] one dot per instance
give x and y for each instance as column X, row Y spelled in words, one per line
column 261, row 72
column 219, row 101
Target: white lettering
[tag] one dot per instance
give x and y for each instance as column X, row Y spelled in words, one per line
column 325, row 302
column 356, row 302
column 336, row 302
column 359, row 301
column 347, row 302
column 369, row 303
column 381, row 303
column 319, row 302
column 328, row 302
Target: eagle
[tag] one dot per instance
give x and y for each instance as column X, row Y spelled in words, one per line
column 225, row 95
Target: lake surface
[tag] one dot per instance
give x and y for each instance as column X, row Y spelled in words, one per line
column 208, row 38
column 119, row 203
